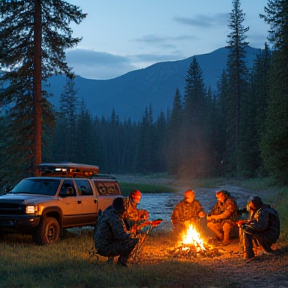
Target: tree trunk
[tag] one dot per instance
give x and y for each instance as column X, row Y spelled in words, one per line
column 37, row 84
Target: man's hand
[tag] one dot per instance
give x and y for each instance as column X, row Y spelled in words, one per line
column 143, row 215
column 210, row 218
column 241, row 222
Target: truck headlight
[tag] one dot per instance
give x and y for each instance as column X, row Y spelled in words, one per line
column 31, row 209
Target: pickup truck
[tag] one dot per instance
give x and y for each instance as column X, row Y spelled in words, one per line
column 64, row 195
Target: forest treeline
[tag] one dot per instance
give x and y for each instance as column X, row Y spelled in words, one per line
column 239, row 130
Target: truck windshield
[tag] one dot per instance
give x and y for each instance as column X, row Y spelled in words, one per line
column 37, row 186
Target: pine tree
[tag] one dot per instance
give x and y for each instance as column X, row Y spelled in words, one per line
column 274, row 144
column 254, row 121
column 237, row 79
column 193, row 153
column 35, row 34
column 222, row 121
column 65, row 133
column 145, row 144
column 174, row 136
column 160, row 143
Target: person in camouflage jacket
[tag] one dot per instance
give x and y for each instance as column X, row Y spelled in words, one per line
column 134, row 218
column 188, row 211
column 111, row 237
column 223, row 216
column 262, row 229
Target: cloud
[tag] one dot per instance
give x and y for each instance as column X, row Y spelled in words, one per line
column 154, row 58
column 101, row 65
column 152, row 39
column 257, row 40
column 98, row 65
column 200, row 20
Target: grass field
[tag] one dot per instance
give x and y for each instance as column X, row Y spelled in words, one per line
column 67, row 263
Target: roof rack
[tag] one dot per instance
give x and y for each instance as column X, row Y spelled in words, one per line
column 68, row 169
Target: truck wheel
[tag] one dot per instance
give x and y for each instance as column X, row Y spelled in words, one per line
column 48, row 232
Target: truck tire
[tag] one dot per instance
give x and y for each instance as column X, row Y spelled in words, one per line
column 48, row 232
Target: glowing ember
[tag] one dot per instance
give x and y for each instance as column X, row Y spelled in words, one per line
column 192, row 237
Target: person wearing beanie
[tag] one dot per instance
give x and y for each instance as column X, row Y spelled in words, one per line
column 111, row 237
column 188, row 211
column 223, row 216
column 134, row 218
column 262, row 229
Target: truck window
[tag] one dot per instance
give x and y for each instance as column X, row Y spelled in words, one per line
column 84, row 187
column 37, row 186
column 67, row 189
column 107, row 188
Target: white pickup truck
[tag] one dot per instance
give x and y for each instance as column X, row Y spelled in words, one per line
column 65, row 195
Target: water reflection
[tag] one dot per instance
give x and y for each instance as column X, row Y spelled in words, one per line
column 161, row 205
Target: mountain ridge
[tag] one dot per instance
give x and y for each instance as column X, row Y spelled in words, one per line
column 155, row 85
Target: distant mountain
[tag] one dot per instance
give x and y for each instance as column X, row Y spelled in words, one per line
column 131, row 93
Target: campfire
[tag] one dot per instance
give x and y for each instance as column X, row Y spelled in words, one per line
column 192, row 245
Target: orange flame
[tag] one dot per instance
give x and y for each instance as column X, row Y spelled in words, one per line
column 192, row 237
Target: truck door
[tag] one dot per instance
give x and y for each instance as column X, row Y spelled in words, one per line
column 71, row 205
column 89, row 201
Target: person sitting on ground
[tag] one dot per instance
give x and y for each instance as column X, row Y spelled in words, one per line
column 262, row 229
column 223, row 216
column 135, row 218
column 111, row 237
column 188, row 211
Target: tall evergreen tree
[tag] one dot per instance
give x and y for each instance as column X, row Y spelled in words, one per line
column 237, row 79
column 65, row 133
column 85, row 142
column 35, row 34
column 174, row 136
column 274, row 143
column 160, row 143
column 255, row 115
column 222, row 121
column 193, row 151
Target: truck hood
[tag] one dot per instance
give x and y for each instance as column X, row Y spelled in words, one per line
column 25, row 198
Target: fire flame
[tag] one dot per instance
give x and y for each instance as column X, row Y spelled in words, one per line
column 192, row 237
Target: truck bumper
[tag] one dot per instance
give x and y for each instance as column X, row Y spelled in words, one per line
column 19, row 224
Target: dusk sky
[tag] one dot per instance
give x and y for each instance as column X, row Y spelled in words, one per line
column 120, row 36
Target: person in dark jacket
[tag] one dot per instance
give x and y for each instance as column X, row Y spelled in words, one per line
column 111, row 237
column 188, row 211
column 262, row 229
column 223, row 216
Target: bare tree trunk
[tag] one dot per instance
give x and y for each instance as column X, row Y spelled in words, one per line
column 37, row 85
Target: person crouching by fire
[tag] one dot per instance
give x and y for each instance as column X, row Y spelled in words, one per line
column 223, row 216
column 111, row 237
column 188, row 211
column 134, row 218
column 262, row 229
